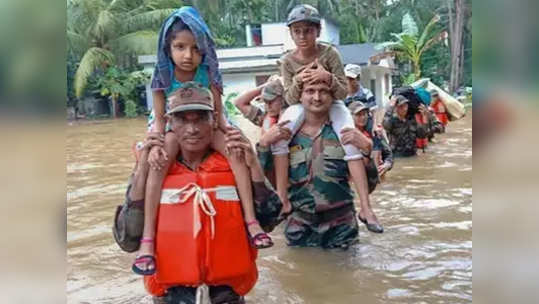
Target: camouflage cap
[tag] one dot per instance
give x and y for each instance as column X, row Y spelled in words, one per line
column 272, row 90
column 356, row 107
column 401, row 100
column 189, row 97
column 352, row 70
column 303, row 12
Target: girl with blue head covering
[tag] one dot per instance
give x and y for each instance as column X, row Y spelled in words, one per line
column 186, row 52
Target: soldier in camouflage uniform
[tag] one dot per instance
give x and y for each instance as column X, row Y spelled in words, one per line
column 401, row 130
column 271, row 94
column 322, row 201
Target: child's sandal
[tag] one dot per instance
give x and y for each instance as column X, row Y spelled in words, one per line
column 257, row 241
column 147, row 259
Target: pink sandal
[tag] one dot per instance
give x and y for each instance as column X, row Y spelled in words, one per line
column 148, row 259
column 259, row 237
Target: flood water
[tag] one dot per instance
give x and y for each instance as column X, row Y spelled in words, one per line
column 424, row 255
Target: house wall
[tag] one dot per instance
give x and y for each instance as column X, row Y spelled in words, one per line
column 376, row 75
column 241, row 82
column 274, row 33
column 329, row 33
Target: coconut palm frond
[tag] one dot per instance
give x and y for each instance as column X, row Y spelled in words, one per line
column 76, row 42
column 140, row 43
column 146, row 20
column 93, row 58
column 105, row 24
column 409, row 26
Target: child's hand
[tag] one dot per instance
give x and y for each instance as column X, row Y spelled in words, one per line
column 316, row 73
column 236, row 141
column 276, row 133
column 157, row 157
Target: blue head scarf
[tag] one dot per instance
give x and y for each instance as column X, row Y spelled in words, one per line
column 164, row 68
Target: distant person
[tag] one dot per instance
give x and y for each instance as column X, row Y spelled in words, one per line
column 439, row 108
column 361, row 114
column 271, row 94
column 403, row 131
column 355, row 91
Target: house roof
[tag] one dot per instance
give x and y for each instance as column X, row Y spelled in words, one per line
column 256, row 65
column 357, row 53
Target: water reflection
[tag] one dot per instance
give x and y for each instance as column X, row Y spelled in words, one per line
column 424, row 256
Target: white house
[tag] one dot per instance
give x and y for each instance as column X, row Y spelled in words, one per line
column 247, row 67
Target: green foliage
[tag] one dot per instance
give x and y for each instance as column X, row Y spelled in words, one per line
column 105, row 33
column 408, row 45
column 130, row 109
column 408, row 80
column 118, row 84
column 230, row 108
column 122, row 28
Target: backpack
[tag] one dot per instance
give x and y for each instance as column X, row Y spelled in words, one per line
column 128, row 224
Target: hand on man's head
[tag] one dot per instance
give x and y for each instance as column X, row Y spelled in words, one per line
column 315, row 72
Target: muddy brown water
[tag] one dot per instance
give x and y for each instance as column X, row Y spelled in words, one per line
column 424, row 255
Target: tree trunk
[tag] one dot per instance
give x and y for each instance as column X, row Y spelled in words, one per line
column 416, row 68
column 456, row 27
column 114, row 106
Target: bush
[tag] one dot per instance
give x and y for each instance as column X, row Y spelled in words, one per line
column 130, row 109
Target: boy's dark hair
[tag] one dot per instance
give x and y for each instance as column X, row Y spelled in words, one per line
column 176, row 27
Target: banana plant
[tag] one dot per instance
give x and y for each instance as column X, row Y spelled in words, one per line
column 410, row 45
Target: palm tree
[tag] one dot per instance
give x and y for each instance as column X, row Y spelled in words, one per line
column 100, row 32
column 412, row 47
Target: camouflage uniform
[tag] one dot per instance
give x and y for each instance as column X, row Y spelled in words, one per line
column 387, row 154
column 434, row 125
column 319, row 192
column 403, row 134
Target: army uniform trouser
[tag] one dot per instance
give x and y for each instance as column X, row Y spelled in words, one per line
column 336, row 228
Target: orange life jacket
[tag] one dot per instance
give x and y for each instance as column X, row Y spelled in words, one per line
column 439, row 109
column 421, row 143
column 201, row 237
